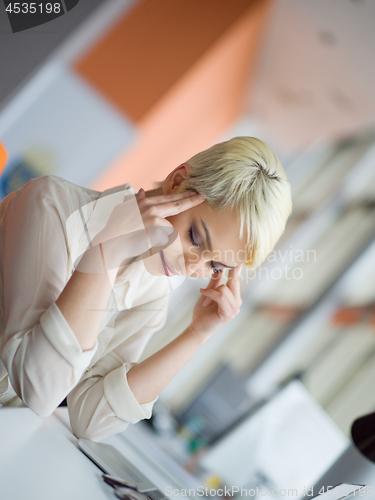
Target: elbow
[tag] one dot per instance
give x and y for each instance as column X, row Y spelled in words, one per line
column 43, row 409
column 96, row 434
column 43, row 412
column 87, row 434
column 38, row 400
column 93, row 427
column 39, row 404
column 83, row 431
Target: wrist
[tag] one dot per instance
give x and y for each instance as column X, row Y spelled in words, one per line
column 91, row 262
column 200, row 336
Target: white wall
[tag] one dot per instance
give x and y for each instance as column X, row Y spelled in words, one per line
column 316, row 74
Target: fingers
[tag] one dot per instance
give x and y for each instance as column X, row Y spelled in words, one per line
column 215, row 281
column 234, row 282
column 173, row 207
column 228, row 307
column 165, row 198
column 178, row 206
column 232, row 286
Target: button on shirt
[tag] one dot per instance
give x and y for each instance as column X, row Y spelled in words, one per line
column 43, row 230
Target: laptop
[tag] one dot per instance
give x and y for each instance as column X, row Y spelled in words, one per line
column 350, row 467
column 112, row 462
column 340, row 492
column 135, row 457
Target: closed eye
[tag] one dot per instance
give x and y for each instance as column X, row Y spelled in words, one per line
column 215, row 265
column 191, row 237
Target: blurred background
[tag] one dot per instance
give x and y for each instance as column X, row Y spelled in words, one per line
column 122, row 91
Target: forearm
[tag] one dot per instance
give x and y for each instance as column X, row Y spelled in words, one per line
column 84, row 300
column 85, row 297
column 147, row 379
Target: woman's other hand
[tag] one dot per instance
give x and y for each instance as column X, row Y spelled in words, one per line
column 218, row 303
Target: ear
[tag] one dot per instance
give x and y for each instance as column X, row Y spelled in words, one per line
column 174, row 181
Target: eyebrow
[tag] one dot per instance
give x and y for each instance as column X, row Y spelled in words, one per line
column 208, row 238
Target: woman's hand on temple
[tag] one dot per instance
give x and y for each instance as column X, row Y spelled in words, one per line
column 218, row 303
column 126, row 235
column 155, row 209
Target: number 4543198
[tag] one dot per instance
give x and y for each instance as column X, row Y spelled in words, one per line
column 33, row 8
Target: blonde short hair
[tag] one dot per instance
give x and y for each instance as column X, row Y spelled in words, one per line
column 245, row 174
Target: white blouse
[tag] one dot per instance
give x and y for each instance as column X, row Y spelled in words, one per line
column 42, row 233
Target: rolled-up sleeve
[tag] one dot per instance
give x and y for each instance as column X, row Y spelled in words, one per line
column 121, row 399
column 39, row 350
column 102, row 403
column 60, row 335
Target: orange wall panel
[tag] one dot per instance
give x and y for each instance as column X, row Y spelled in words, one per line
column 3, row 157
column 196, row 110
column 149, row 49
column 179, row 69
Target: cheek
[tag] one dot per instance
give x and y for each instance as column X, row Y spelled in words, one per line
column 191, row 254
column 202, row 272
column 182, row 227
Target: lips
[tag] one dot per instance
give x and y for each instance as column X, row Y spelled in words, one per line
column 168, row 268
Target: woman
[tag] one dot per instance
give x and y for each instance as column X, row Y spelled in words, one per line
column 84, row 279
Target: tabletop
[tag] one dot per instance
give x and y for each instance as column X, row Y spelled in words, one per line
column 40, row 459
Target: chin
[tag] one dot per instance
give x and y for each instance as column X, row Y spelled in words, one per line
column 153, row 265
column 159, row 265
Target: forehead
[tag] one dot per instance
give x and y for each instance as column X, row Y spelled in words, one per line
column 224, row 228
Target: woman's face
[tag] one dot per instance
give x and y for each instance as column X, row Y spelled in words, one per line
column 209, row 241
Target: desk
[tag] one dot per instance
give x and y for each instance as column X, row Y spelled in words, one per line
column 40, row 460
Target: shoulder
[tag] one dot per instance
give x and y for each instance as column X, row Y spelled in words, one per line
column 53, row 188
column 48, row 200
column 52, row 193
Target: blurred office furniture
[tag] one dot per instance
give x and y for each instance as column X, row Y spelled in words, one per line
column 286, row 445
column 218, row 406
column 363, row 435
column 350, row 467
column 289, row 324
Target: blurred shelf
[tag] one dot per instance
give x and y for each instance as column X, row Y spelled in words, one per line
column 333, row 219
